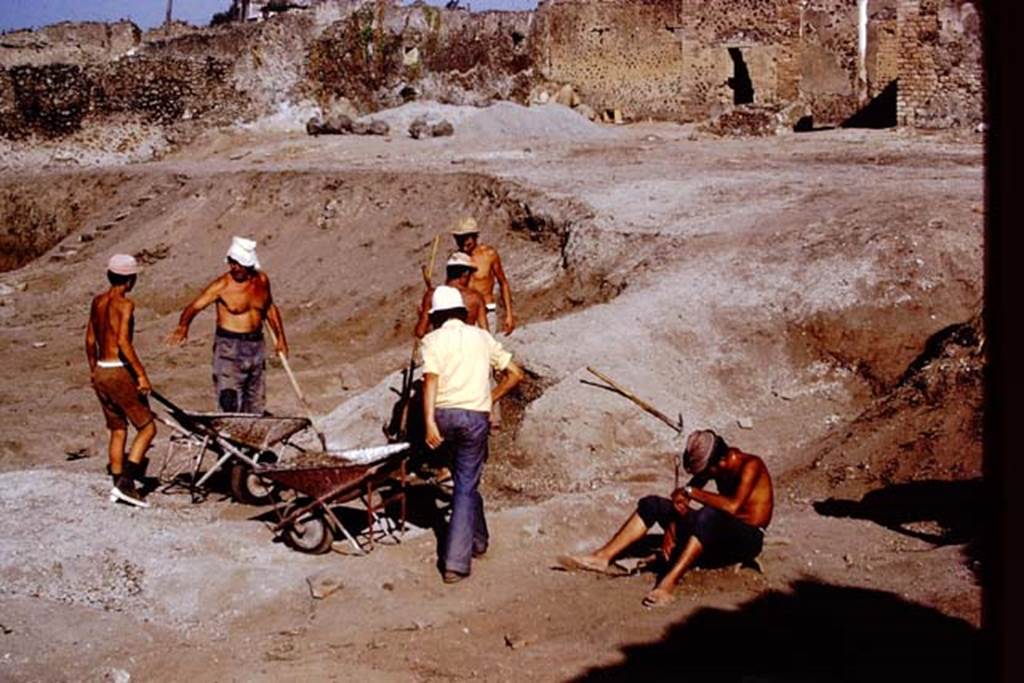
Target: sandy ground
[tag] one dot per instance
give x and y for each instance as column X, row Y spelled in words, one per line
column 774, row 289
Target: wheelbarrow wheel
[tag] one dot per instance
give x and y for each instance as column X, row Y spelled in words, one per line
column 310, row 534
column 248, row 487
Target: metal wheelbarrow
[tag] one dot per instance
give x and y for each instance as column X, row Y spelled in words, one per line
column 238, row 441
column 321, row 481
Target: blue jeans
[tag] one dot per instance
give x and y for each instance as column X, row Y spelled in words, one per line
column 465, row 435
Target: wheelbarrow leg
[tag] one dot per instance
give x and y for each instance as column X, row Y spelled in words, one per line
column 194, row 485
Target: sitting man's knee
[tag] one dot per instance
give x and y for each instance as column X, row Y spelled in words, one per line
column 653, row 509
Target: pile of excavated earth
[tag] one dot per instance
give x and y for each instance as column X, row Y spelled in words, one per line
column 815, row 298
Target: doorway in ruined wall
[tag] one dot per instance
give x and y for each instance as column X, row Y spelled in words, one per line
column 742, row 86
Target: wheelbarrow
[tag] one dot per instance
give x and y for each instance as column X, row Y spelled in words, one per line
column 321, row 481
column 238, row 441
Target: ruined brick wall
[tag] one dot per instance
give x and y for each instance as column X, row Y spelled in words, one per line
column 69, row 43
column 829, row 59
column 883, row 54
column 940, row 68
column 376, row 53
column 763, row 34
column 616, row 53
column 677, row 59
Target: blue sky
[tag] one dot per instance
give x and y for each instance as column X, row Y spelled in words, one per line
column 15, row 14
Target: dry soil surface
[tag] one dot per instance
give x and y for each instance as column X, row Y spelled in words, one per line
column 785, row 291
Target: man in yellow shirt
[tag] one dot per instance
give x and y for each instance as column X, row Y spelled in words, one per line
column 457, row 399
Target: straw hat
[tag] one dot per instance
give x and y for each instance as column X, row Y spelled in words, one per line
column 466, row 226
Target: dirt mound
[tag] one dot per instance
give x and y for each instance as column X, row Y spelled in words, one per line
column 928, row 428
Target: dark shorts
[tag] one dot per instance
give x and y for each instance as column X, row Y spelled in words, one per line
column 239, row 362
column 120, row 398
column 725, row 538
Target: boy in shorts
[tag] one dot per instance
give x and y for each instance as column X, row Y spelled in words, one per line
column 118, row 377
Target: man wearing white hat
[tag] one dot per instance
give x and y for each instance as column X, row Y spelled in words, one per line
column 488, row 272
column 119, row 378
column 244, row 302
column 457, row 399
column 458, row 270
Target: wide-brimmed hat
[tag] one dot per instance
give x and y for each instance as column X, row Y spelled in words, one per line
column 243, row 252
column 466, row 226
column 446, row 298
column 460, row 259
column 123, row 264
column 700, row 447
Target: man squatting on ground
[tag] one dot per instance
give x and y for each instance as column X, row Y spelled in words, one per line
column 457, row 399
column 121, row 390
column 728, row 528
column 243, row 301
column 458, row 270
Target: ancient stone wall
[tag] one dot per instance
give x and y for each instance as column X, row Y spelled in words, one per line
column 882, row 61
column 382, row 53
column 616, row 54
column 69, row 43
column 684, row 59
column 681, row 60
column 940, row 70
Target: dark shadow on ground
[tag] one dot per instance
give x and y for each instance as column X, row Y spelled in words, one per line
column 950, row 510
column 816, row 633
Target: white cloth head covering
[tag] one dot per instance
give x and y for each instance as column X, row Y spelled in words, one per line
column 460, row 259
column 243, row 251
column 123, row 264
column 446, row 298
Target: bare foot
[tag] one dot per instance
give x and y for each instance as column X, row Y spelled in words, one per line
column 590, row 563
column 659, row 597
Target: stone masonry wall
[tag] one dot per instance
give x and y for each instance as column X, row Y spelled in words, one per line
column 616, row 54
column 940, row 73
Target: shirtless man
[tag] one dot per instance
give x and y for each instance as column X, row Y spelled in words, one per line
column 458, row 271
column 121, row 390
column 728, row 528
column 243, row 301
column 488, row 270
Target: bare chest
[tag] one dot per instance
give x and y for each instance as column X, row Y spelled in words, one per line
column 238, row 299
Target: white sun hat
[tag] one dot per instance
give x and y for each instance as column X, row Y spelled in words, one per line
column 446, row 298
column 243, row 251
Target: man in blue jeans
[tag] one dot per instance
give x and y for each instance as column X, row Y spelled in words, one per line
column 457, row 399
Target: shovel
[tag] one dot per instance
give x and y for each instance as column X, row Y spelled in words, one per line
column 428, row 280
column 298, row 392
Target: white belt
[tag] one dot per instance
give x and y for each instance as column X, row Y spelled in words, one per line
column 110, row 364
column 492, row 307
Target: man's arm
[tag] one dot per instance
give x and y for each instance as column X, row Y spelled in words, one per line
column 730, row 504
column 277, row 327
column 180, row 334
column 512, row 376
column 481, row 311
column 506, row 293
column 90, row 338
column 434, row 438
column 423, row 324
column 124, row 345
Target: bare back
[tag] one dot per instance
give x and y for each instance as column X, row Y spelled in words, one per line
column 758, row 506
column 475, row 306
column 109, row 313
column 242, row 306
